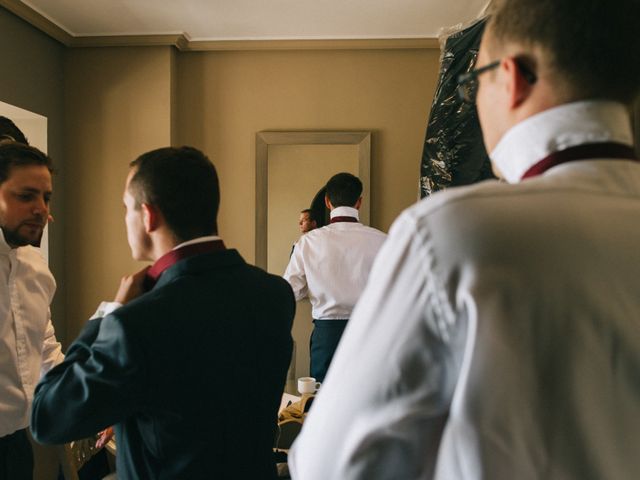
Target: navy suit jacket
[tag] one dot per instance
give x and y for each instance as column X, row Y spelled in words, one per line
column 190, row 373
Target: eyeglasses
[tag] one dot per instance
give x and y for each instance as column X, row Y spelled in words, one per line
column 468, row 82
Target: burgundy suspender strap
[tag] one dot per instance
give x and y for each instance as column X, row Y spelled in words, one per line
column 172, row 257
column 344, row 219
column 605, row 150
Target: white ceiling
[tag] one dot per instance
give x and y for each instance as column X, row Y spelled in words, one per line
column 259, row 19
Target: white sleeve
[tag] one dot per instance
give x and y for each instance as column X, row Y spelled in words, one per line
column 295, row 274
column 51, row 348
column 104, row 309
column 381, row 411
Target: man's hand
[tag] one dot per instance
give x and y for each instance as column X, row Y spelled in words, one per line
column 105, row 436
column 131, row 286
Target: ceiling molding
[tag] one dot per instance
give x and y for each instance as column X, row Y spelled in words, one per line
column 315, row 44
column 183, row 43
column 177, row 40
column 37, row 20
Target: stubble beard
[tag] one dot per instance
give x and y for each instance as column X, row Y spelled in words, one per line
column 14, row 239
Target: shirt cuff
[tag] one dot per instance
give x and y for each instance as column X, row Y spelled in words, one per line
column 105, row 308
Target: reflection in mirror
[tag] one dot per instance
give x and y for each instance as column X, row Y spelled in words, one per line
column 295, row 175
column 291, row 169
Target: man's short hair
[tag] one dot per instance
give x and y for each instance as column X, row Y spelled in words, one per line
column 344, row 189
column 9, row 131
column 14, row 154
column 183, row 184
column 591, row 44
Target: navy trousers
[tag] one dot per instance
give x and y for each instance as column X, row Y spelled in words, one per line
column 16, row 457
column 324, row 341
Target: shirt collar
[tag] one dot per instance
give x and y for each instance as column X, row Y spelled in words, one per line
column 4, row 246
column 556, row 129
column 208, row 238
column 345, row 212
column 180, row 252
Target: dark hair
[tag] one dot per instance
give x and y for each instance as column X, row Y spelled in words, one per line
column 9, row 131
column 344, row 189
column 14, row 154
column 311, row 213
column 183, row 184
column 320, row 211
column 592, row 45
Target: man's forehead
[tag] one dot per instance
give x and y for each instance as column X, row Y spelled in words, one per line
column 29, row 173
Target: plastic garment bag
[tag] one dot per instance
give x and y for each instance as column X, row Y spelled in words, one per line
column 454, row 153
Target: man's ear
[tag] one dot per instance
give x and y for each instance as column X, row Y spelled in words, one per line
column 518, row 87
column 327, row 202
column 358, row 204
column 150, row 217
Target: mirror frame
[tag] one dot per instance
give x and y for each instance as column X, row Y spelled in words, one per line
column 362, row 139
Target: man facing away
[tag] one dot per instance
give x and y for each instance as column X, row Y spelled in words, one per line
column 499, row 334
column 191, row 371
column 29, row 346
column 330, row 265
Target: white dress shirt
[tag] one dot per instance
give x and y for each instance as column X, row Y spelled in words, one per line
column 499, row 334
column 28, row 344
column 331, row 265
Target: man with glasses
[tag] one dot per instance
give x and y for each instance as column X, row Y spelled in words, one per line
column 498, row 335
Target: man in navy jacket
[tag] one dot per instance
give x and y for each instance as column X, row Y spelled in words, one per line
column 190, row 369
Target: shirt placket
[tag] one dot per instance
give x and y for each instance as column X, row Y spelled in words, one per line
column 16, row 312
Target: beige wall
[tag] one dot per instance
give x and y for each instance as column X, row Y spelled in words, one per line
column 121, row 102
column 225, row 98
column 118, row 105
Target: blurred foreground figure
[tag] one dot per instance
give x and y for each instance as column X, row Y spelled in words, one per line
column 499, row 334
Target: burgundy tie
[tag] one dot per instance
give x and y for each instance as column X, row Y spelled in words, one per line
column 172, row 257
column 344, row 219
column 605, row 150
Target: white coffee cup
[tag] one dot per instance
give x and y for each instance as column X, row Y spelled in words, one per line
column 308, row 385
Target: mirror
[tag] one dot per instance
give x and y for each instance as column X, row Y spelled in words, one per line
column 291, row 168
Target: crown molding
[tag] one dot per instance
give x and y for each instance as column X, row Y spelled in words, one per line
column 183, row 43
column 39, row 21
column 177, row 40
column 315, row 44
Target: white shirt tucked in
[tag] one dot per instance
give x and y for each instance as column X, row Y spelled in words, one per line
column 28, row 346
column 331, row 265
column 499, row 334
